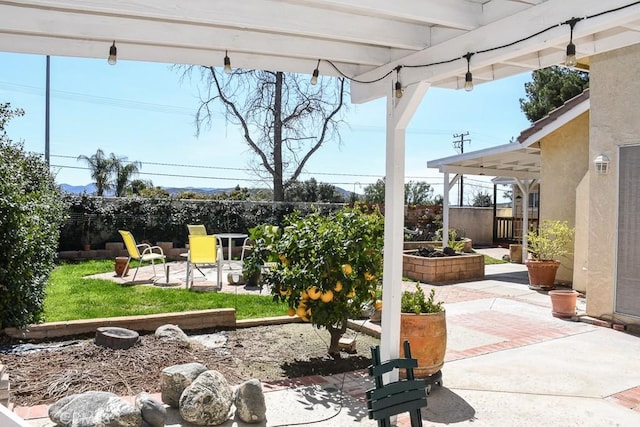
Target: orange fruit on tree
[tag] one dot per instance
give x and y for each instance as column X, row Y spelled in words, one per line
column 304, row 295
column 283, row 292
column 351, row 294
column 338, row 287
column 327, row 296
column 378, row 305
column 291, row 311
column 368, row 276
column 301, row 311
column 346, row 269
column 314, row 292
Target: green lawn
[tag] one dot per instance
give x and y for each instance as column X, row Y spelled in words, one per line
column 490, row 260
column 70, row 297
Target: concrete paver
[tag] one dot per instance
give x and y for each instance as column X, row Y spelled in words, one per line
column 508, row 363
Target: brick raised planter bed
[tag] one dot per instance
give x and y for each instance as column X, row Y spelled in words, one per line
column 444, row 269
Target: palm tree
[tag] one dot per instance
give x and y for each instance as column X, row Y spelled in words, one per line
column 123, row 171
column 101, row 168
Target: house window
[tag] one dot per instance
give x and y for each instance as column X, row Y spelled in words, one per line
column 627, row 300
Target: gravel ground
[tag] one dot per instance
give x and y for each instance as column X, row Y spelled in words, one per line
column 268, row 353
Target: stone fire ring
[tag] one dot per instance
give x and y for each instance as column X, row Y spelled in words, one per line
column 115, row 337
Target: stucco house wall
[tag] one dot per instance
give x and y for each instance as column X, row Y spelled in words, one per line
column 615, row 93
column 564, row 161
column 581, row 239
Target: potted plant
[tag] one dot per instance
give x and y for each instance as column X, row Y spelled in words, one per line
column 263, row 238
column 549, row 243
column 423, row 324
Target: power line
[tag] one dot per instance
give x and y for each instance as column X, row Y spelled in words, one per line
column 101, row 100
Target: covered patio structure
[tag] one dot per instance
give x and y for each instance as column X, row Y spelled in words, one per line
column 396, row 50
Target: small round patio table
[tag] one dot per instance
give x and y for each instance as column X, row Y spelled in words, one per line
column 230, row 237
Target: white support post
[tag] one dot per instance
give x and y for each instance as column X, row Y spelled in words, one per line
column 445, row 207
column 525, row 187
column 399, row 113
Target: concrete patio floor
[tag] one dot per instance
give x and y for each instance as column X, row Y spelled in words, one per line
column 508, row 363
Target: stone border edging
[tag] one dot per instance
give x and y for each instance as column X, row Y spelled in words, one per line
column 200, row 319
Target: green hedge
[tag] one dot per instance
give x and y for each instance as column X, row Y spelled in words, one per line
column 96, row 220
column 31, row 212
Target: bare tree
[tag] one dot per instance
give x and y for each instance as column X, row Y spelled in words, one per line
column 284, row 119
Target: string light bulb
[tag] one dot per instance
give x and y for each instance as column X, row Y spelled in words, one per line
column 227, row 63
column 316, row 72
column 468, row 77
column 570, row 60
column 113, row 54
column 398, row 87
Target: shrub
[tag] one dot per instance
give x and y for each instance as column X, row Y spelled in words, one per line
column 329, row 267
column 31, row 213
column 417, row 303
column 551, row 241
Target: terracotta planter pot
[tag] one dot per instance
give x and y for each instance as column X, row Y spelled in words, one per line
column 121, row 262
column 542, row 274
column 563, row 303
column 427, row 335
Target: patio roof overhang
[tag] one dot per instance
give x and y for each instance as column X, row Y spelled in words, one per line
column 364, row 40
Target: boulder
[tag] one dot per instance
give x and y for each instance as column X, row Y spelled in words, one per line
column 207, row 401
column 171, row 333
column 174, row 379
column 250, row 403
column 153, row 412
column 94, row 408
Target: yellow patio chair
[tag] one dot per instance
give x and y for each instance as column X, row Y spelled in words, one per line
column 149, row 253
column 197, row 230
column 204, row 250
column 200, row 230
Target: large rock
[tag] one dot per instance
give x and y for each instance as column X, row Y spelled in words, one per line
column 94, row 408
column 174, row 379
column 171, row 333
column 153, row 412
column 249, row 401
column 207, row 400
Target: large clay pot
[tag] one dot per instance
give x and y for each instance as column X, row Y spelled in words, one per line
column 542, row 274
column 563, row 303
column 427, row 335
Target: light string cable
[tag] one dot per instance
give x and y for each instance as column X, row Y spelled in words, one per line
column 502, row 46
column 344, row 376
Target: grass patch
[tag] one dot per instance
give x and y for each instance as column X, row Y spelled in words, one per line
column 69, row 296
column 491, row 260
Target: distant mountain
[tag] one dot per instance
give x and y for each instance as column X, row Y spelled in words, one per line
column 78, row 189
column 91, row 189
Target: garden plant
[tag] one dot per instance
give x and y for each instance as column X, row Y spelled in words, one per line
column 31, row 213
column 329, row 267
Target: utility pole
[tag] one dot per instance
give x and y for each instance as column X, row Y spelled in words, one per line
column 46, row 111
column 458, row 144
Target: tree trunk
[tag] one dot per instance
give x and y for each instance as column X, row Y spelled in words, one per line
column 336, row 333
column 278, row 187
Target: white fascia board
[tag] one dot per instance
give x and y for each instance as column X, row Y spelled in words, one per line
column 556, row 124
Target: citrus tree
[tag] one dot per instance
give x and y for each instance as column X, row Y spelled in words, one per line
column 330, row 265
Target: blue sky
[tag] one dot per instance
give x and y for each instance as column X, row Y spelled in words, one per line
column 143, row 111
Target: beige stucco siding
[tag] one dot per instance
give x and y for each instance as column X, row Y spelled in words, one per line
column 564, row 162
column 615, row 98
